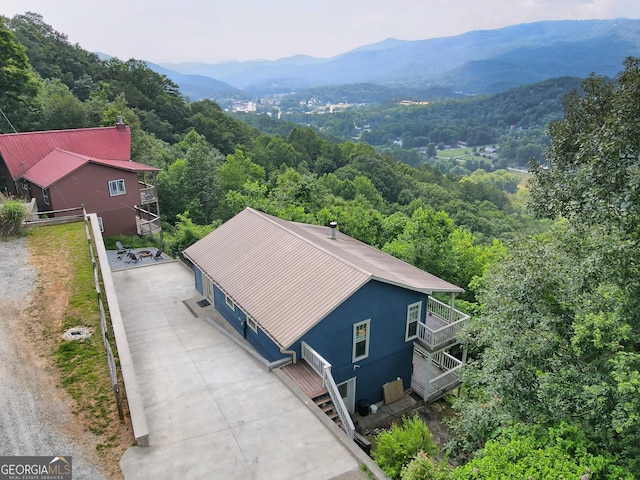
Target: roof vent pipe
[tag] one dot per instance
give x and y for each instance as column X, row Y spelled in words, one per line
column 333, row 226
column 119, row 122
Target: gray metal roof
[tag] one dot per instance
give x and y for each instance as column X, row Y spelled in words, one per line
column 288, row 276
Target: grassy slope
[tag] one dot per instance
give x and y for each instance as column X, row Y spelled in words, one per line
column 67, row 298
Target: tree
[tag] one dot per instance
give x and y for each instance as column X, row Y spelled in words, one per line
column 541, row 454
column 189, row 184
column 60, row 108
column 558, row 338
column 592, row 171
column 232, row 176
column 145, row 89
column 18, row 85
column 53, row 57
column 425, row 242
column 222, row 131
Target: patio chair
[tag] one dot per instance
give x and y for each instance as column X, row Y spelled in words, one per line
column 132, row 258
column 121, row 248
column 158, row 255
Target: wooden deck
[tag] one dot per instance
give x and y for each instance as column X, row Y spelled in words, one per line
column 433, row 322
column 306, row 378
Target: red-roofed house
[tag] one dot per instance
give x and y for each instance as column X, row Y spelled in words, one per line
column 65, row 169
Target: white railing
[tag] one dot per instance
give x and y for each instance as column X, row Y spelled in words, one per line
column 444, row 311
column 323, row 368
column 446, row 380
column 315, row 360
column 435, row 338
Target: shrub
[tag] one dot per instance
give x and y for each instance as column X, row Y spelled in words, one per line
column 423, row 467
column 12, row 214
column 396, row 447
column 543, row 454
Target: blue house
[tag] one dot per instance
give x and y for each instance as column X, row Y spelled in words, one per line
column 359, row 317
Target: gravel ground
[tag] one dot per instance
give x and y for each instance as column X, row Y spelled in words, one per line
column 34, row 412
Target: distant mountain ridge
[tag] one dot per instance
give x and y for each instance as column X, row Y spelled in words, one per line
column 481, row 61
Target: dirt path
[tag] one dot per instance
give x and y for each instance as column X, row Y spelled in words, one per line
column 35, row 413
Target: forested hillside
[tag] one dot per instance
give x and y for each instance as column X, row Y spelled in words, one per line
column 553, row 385
column 514, row 121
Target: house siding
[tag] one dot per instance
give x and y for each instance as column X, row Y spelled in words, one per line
column 390, row 355
column 89, row 186
column 235, row 317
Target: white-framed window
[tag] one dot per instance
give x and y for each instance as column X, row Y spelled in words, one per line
column 100, row 224
column 116, row 187
column 252, row 324
column 45, row 196
column 361, row 332
column 413, row 317
column 229, row 302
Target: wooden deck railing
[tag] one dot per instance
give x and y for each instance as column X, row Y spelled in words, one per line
column 323, row 368
column 147, row 223
column 452, row 321
column 147, row 193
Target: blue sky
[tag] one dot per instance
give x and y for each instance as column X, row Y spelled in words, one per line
column 221, row 30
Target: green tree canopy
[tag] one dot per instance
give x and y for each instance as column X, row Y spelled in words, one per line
column 592, row 172
column 18, row 85
column 559, row 335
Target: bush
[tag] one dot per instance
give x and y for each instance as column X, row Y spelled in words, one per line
column 543, row 454
column 423, row 467
column 12, row 215
column 396, row 447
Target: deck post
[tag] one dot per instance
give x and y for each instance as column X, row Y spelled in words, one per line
column 427, row 379
column 453, row 301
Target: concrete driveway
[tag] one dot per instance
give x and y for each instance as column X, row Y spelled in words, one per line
column 213, row 411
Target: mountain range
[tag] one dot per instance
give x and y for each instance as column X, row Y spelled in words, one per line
column 482, row 61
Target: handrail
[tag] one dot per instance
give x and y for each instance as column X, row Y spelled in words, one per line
column 443, row 381
column 444, row 327
column 444, row 334
column 440, row 309
column 323, row 368
column 314, row 359
column 338, row 404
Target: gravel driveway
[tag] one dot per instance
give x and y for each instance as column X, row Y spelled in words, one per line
column 34, row 416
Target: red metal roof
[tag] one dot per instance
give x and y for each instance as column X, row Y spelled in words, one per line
column 21, row 151
column 59, row 163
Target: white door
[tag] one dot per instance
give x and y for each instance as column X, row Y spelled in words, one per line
column 348, row 393
column 207, row 288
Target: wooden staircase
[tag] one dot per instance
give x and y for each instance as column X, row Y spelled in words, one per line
column 324, row 403
column 311, row 384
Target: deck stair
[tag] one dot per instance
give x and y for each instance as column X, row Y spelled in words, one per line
column 325, row 404
column 311, row 384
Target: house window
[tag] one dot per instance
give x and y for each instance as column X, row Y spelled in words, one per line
column 252, row 324
column 413, row 317
column 116, row 187
column 100, row 224
column 45, row 196
column 229, row 302
column 361, row 332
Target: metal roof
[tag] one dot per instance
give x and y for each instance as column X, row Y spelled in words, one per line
column 288, row 276
column 21, row 151
column 59, row 163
